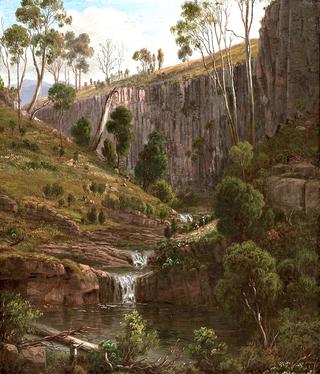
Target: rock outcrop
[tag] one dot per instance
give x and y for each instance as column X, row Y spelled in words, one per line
column 285, row 79
column 294, row 187
column 46, row 281
column 8, row 205
column 43, row 212
column 178, row 287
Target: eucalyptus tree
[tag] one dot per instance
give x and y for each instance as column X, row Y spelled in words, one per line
column 58, row 61
column 204, row 26
column 160, row 58
column 5, row 55
column 144, row 56
column 16, row 39
column 41, row 17
column 78, row 50
column 62, row 98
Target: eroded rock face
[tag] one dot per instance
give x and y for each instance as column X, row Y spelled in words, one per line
column 294, row 187
column 7, row 204
column 49, row 282
column 288, row 61
column 176, row 287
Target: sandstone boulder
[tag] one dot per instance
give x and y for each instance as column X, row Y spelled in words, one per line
column 7, row 204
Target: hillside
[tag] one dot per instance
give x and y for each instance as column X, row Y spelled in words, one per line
column 30, row 162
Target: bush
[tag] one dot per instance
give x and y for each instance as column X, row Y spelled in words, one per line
column 109, row 152
column 61, row 203
column 241, row 156
column 210, row 355
column 163, row 212
column 35, row 165
column 23, row 131
column 111, row 202
column 92, row 215
column 16, row 314
column 53, row 190
column 26, row 144
column 14, row 233
column 163, row 191
column 238, row 206
column 81, row 132
column 101, row 217
column 71, row 199
column 97, row 187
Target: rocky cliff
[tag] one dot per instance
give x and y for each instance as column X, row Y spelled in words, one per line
column 286, row 82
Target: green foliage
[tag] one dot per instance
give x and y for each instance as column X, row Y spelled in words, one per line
column 12, row 126
column 111, row 202
column 145, row 58
column 289, row 368
column 238, row 206
column 61, row 203
column 210, row 355
column 255, row 359
column 101, row 217
column 135, row 340
column 299, row 341
column 16, row 314
column 109, row 152
column 81, row 132
column 26, row 144
column 163, row 212
column 92, row 215
column 121, row 127
column 57, row 362
column 14, row 233
column 163, row 191
column 153, row 160
column 250, row 285
column 112, row 349
column 38, row 165
column 71, row 199
column 53, row 190
column 241, row 156
column 167, row 232
column 61, row 96
column 97, row 187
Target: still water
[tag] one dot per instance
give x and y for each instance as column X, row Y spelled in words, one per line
column 172, row 322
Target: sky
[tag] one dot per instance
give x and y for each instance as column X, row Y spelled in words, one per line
column 135, row 23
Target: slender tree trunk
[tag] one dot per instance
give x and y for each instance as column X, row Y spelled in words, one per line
column 40, row 75
column 18, row 95
column 60, row 129
column 79, row 79
column 251, row 105
column 76, row 79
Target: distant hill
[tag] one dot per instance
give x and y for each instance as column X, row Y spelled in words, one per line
column 28, row 88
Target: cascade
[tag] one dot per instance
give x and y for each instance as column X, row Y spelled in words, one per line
column 125, row 284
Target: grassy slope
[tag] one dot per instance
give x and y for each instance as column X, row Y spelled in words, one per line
column 174, row 73
column 22, row 183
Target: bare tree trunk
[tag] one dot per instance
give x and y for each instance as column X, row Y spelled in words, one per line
column 103, row 121
column 18, row 95
column 79, row 79
column 40, row 75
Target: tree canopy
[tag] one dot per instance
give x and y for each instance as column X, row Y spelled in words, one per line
column 153, row 160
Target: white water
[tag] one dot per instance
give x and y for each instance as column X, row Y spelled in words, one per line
column 126, row 283
column 139, row 259
column 186, row 218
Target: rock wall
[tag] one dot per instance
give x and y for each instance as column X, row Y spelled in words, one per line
column 288, row 60
column 49, row 282
column 286, row 79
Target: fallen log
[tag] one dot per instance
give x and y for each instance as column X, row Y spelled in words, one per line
column 63, row 337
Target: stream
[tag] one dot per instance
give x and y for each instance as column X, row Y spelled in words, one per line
column 171, row 321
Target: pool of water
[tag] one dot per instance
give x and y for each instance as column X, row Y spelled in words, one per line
column 172, row 322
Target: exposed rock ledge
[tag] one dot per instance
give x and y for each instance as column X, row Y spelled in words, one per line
column 46, row 281
column 294, row 187
column 176, row 287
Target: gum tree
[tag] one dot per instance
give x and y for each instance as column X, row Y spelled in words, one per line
column 40, row 17
column 16, row 40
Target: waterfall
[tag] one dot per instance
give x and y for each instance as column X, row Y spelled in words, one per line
column 186, row 218
column 125, row 288
column 139, row 259
column 125, row 284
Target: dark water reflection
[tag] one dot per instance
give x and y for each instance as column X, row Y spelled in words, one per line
column 171, row 322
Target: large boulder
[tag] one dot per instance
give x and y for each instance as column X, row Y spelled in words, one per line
column 7, row 204
column 47, row 281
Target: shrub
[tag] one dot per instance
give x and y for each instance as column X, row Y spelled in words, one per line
column 81, row 132
column 241, row 156
column 92, row 215
column 210, row 355
column 71, row 199
column 111, row 202
column 35, row 165
column 16, row 314
column 109, row 152
column 53, row 190
column 163, row 191
column 26, row 144
column 101, row 217
column 12, row 126
column 163, row 212
column 167, row 232
column 14, row 233
column 238, row 206
column 61, row 203
column 23, row 131
column 150, row 210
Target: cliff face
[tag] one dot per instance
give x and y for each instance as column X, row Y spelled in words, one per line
column 288, row 61
column 286, row 82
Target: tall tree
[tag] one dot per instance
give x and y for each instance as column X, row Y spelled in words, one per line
column 153, row 160
column 62, row 98
column 160, row 58
column 120, row 126
column 110, row 57
column 246, row 8
column 184, row 53
column 16, row 39
column 40, row 17
column 250, row 287
column 5, row 56
column 57, row 62
column 78, row 50
column 204, row 27
column 145, row 58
